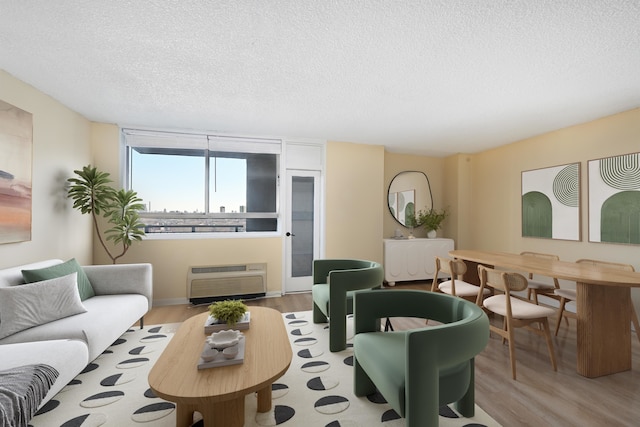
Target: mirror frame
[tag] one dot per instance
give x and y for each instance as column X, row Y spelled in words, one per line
column 428, row 202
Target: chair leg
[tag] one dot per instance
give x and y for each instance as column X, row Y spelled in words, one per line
column 318, row 315
column 508, row 335
column 634, row 319
column 337, row 333
column 563, row 302
column 512, row 354
column 547, row 337
column 504, row 327
column 466, row 405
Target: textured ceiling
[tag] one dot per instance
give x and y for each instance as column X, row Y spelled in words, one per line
column 431, row 77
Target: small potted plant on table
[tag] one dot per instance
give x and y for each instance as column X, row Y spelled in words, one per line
column 228, row 314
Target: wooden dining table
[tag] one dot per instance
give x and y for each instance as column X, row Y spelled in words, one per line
column 603, row 305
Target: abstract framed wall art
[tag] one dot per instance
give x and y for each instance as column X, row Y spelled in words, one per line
column 551, row 202
column 614, row 199
column 16, row 140
column 402, row 205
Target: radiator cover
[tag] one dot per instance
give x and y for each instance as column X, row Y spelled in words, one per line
column 219, row 282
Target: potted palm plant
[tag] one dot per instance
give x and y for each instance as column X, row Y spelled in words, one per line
column 92, row 194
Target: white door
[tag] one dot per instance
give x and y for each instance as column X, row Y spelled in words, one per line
column 302, row 229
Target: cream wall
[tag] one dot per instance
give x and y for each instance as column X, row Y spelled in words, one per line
column 354, row 191
column 171, row 260
column 433, row 167
column 60, row 145
column 457, row 180
column 494, row 188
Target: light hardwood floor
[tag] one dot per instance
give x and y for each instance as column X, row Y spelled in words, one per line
column 539, row 397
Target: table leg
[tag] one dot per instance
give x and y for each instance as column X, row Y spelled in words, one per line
column 264, row 399
column 184, row 415
column 604, row 329
column 229, row 413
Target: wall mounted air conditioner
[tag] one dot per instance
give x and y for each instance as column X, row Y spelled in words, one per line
column 219, row 282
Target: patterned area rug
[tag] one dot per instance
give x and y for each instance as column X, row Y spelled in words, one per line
column 315, row 391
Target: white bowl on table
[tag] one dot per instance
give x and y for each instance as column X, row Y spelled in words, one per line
column 230, row 352
column 224, row 339
column 208, row 354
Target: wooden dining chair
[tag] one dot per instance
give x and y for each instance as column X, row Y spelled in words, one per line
column 455, row 286
column 516, row 312
column 536, row 287
column 569, row 295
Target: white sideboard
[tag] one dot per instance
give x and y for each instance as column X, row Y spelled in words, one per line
column 413, row 259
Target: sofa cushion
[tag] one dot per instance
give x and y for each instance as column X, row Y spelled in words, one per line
column 58, row 270
column 106, row 318
column 33, row 304
column 68, row 357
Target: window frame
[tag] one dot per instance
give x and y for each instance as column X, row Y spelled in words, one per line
column 135, row 137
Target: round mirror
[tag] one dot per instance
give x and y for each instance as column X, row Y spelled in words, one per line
column 409, row 192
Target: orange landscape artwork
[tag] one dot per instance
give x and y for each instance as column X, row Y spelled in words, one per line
column 16, row 140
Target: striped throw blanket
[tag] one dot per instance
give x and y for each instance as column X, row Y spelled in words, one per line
column 21, row 391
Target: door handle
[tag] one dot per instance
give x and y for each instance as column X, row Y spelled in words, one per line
column 289, row 234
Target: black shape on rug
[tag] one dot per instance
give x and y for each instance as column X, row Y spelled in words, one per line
column 283, row 413
column 90, row 367
column 77, row 421
column 49, row 406
column 447, row 412
column 136, row 351
column 390, row 415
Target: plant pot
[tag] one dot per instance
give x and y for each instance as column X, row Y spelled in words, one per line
column 431, row 234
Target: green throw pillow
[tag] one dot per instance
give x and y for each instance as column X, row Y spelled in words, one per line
column 59, row 270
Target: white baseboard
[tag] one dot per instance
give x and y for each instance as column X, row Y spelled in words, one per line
column 170, row 301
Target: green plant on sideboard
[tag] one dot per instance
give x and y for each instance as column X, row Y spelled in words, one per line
column 92, row 194
column 431, row 219
column 228, row 311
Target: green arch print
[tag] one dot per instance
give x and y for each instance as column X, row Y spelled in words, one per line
column 537, row 215
column 620, row 218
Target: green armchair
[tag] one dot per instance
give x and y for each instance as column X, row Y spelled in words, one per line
column 334, row 283
column 418, row 370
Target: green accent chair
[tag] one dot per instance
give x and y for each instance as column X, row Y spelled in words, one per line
column 418, row 370
column 335, row 281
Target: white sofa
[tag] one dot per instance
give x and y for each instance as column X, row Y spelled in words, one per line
column 123, row 295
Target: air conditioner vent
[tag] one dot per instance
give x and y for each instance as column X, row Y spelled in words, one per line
column 216, row 282
column 218, row 269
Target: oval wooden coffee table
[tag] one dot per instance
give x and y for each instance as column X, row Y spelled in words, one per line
column 218, row 393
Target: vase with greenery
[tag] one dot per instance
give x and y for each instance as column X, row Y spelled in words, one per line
column 431, row 219
column 92, row 194
column 228, row 311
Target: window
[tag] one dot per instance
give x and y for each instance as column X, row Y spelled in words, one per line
column 203, row 184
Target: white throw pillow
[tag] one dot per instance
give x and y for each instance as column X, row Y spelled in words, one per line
column 33, row 304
